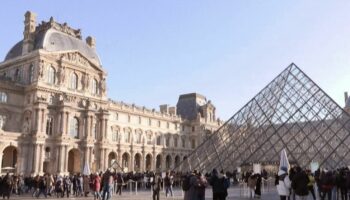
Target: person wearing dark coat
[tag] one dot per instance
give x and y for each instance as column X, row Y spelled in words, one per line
column 217, row 183
column 299, row 183
column 6, row 186
column 258, row 185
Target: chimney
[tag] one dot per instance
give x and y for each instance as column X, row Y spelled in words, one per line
column 28, row 34
column 164, row 109
column 91, row 42
column 172, row 110
column 346, row 96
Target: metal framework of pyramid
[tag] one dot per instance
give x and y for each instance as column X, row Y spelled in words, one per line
column 291, row 112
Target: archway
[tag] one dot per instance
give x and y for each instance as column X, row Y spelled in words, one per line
column 137, row 162
column 112, row 157
column 168, row 161
column 9, row 159
column 74, row 164
column 159, row 162
column 148, row 162
column 177, row 160
column 125, row 161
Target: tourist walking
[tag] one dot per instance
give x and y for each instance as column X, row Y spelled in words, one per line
column 67, row 186
column 258, row 186
column 86, row 185
column 157, row 181
column 120, row 183
column 327, row 184
column 251, row 185
column 284, row 183
column 6, row 186
column 42, row 188
column 96, row 186
column 299, row 184
column 168, row 184
column 107, row 184
column 311, row 184
column 217, row 182
column 202, row 184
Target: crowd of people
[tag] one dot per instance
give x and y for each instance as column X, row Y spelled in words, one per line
column 298, row 183
column 103, row 185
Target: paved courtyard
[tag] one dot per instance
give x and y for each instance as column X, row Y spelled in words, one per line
column 234, row 193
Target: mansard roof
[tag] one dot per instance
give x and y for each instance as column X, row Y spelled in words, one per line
column 54, row 37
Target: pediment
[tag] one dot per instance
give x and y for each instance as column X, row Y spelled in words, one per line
column 78, row 59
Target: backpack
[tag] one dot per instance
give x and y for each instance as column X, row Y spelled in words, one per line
column 226, row 183
column 186, row 183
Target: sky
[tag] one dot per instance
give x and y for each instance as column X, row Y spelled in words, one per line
column 227, row 51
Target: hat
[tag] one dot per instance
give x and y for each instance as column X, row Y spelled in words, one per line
column 284, row 168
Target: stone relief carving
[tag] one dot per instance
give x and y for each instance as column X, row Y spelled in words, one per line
column 103, row 86
column 41, row 69
column 26, row 124
column 61, row 74
column 75, row 58
column 60, row 27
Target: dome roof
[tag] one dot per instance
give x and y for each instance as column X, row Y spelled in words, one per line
column 53, row 40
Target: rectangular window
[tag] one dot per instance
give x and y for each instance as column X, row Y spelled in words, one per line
column 175, row 142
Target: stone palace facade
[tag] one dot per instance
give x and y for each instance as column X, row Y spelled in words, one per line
column 55, row 115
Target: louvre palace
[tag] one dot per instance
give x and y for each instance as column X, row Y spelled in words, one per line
column 56, row 117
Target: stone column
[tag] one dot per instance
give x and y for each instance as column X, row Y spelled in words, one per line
column 101, row 159
column 34, row 159
column 37, row 120
column 106, row 128
column 65, row 159
column 143, row 162
column 106, row 159
column 62, row 161
column 154, row 161
column 103, row 130
column 44, row 118
column 41, row 159
column 66, row 125
column 132, row 158
column 163, row 162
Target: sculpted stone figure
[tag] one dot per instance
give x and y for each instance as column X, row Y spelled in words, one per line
column 103, row 85
column 41, row 69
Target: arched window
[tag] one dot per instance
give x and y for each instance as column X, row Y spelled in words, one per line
column 167, row 141
column 73, row 81
column 74, row 127
column 183, row 143
column 115, row 135
column 159, row 140
column 175, row 141
column 94, row 88
column 51, row 78
column 18, row 75
column 149, row 138
column 3, row 97
column 127, row 136
column 138, row 137
column 193, row 143
column 49, row 125
column 95, row 129
column 31, row 73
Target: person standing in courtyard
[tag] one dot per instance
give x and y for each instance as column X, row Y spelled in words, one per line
column 157, row 181
column 96, row 186
column 217, row 181
column 299, row 184
column 107, row 184
column 284, row 183
column 168, row 184
column 251, row 185
column 202, row 184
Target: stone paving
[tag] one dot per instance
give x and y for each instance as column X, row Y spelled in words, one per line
column 235, row 193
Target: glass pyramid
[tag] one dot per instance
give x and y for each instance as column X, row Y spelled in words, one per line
column 291, row 112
